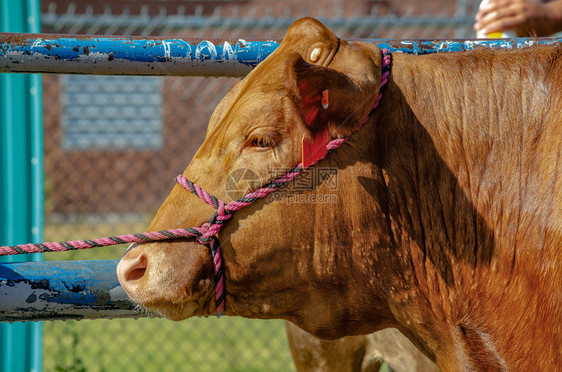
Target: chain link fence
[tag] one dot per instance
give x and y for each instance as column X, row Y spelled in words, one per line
column 113, row 146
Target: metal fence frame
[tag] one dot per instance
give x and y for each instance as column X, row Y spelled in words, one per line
column 99, row 295
column 224, row 17
column 21, row 174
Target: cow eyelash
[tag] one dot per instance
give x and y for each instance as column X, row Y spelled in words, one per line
column 262, row 142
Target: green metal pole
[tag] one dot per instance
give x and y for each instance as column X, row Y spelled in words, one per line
column 21, row 180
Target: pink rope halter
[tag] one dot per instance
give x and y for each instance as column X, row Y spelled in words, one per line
column 207, row 233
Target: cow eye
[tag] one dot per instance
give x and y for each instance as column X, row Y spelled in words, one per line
column 262, row 142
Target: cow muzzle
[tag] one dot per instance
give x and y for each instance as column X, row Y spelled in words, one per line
column 173, row 279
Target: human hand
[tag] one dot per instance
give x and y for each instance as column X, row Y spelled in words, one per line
column 525, row 17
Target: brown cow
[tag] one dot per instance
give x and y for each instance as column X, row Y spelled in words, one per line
column 446, row 222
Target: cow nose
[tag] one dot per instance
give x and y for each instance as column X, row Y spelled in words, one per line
column 130, row 270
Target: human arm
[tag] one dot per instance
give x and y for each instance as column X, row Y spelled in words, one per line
column 526, row 17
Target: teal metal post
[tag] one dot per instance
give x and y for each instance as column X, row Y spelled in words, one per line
column 21, row 180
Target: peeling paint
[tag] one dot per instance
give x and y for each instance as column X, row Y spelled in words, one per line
column 34, row 53
column 62, row 290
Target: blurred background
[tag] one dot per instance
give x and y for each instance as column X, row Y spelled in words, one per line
column 113, row 145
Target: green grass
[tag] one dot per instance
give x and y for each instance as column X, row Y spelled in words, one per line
column 198, row 344
column 225, row 344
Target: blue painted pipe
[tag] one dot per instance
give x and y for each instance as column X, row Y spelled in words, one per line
column 45, row 53
column 63, row 290
column 130, row 56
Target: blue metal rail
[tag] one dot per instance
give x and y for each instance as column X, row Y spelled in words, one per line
column 63, row 290
column 64, row 54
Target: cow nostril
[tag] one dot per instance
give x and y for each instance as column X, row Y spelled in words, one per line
column 137, row 270
column 136, row 273
column 130, row 271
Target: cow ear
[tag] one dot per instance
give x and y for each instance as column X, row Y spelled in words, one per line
column 321, row 94
column 327, row 100
column 330, row 99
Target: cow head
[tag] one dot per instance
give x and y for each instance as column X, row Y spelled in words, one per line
column 281, row 260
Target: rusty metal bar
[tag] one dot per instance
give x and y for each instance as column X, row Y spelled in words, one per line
column 71, row 54
column 31, row 291
column 130, row 56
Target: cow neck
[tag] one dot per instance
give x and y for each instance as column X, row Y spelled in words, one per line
column 207, row 233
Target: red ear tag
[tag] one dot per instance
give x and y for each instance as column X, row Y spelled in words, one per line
column 315, row 150
column 325, row 99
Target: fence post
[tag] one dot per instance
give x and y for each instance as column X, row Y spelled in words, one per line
column 21, row 179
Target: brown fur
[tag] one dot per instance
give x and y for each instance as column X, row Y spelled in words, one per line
column 448, row 218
